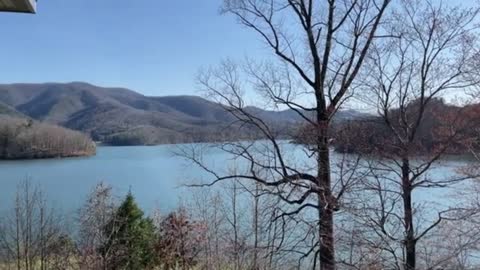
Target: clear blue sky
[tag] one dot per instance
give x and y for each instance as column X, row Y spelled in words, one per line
column 151, row 46
column 154, row 47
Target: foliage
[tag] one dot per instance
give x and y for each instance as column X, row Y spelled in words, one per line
column 132, row 240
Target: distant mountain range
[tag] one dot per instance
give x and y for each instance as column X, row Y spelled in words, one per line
column 121, row 116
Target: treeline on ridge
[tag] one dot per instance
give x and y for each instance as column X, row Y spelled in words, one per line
column 447, row 128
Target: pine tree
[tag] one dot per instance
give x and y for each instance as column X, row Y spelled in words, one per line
column 131, row 244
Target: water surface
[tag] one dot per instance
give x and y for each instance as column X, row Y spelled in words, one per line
column 154, row 174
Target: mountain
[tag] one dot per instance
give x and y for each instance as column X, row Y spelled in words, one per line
column 114, row 115
column 8, row 110
column 121, row 116
column 291, row 116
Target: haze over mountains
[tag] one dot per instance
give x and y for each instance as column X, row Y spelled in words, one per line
column 123, row 117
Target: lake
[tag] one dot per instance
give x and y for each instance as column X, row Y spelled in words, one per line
column 153, row 173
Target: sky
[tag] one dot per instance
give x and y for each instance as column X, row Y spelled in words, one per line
column 155, row 47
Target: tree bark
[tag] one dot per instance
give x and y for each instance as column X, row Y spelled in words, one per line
column 17, row 230
column 410, row 242
column 327, row 251
column 255, row 227
column 325, row 199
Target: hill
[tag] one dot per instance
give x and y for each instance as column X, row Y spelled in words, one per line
column 22, row 138
column 443, row 128
column 120, row 116
column 8, row 110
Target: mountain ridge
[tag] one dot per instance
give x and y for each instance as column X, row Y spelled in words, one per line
column 121, row 116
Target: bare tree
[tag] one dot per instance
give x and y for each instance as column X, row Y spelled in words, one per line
column 239, row 229
column 94, row 216
column 321, row 47
column 432, row 54
column 180, row 241
column 30, row 233
column 205, row 206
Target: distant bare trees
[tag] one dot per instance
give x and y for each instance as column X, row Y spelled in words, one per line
column 96, row 213
column 23, row 139
column 34, row 236
column 432, row 53
column 240, row 230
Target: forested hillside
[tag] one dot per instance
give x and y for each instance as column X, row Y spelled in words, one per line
column 120, row 116
column 22, row 138
column 444, row 128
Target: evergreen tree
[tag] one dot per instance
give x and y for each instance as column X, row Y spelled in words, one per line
column 131, row 243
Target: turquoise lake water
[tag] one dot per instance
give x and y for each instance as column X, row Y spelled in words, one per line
column 154, row 174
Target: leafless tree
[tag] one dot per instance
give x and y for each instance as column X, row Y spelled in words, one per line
column 432, row 53
column 319, row 48
column 98, row 210
column 205, row 207
column 32, row 234
column 180, row 241
column 239, row 229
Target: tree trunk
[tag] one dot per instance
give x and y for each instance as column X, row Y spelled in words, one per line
column 410, row 242
column 325, row 200
column 17, row 221
column 327, row 251
column 27, row 226
column 235, row 228
column 255, row 227
column 42, row 245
